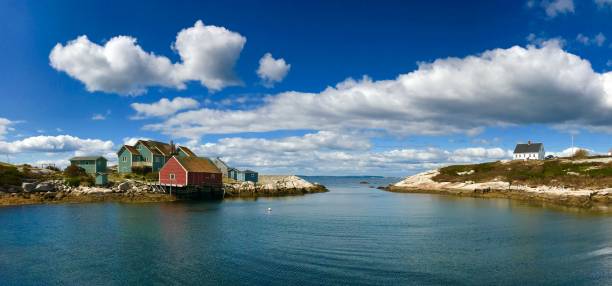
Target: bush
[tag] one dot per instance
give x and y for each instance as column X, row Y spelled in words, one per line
column 153, row 176
column 73, row 182
column 74, row 171
column 9, row 175
column 143, row 170
column 580, row 154
column 53, row 168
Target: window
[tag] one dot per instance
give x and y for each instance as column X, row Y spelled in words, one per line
column 172, row 176
column 124, row 158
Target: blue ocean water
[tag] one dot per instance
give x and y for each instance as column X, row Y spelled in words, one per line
column 352, row 235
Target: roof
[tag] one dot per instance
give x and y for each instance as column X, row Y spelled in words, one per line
column 132, row 149
column 198, row 164
column 187, row 151
column 87, row 158
column 527, row 148
column 217, row 161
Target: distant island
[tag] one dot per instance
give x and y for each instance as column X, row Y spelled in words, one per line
column 578, row 181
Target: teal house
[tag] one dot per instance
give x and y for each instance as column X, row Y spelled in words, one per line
column 148, row 154
column 91, row 164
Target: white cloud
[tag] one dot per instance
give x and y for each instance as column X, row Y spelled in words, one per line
column 322, row 152
column 554, row 8
column 132, row 140
column 272, row 70
column 5, row 126
column 597, row 40
column 163, row 107
column 57, row 144
column 569, row 152
column 501, row 87
column 98, row 116
column 207, row 53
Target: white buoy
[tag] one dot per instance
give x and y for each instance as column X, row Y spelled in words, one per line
column 269, row 209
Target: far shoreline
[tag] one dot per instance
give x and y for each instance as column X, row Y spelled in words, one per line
column 542, row 200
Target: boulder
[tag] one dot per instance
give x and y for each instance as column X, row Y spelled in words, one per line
column 124, row 186
column 49, row 195
column 28, row 187
column 44, row 187
column 13, row 189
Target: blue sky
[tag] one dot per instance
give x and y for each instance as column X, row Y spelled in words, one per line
column 429, row 83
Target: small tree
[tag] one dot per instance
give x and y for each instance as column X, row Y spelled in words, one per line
column 9, row 175
column 73, row 171
column 580, row 154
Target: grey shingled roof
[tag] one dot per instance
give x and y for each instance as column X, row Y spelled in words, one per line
column 86, row 158
column 527, row 148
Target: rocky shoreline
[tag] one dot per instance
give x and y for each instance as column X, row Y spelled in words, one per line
column 273, row 186
column 131, row 191
column 53, row 192
column 600, row 199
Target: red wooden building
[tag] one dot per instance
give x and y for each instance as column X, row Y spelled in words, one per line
column 190, row 171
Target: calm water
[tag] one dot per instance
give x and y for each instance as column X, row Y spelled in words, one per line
column 351, row 235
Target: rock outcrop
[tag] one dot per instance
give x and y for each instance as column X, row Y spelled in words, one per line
column 423, row 183
column 272, row 186
column 55, row 191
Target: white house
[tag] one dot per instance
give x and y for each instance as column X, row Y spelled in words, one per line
column 529, row 151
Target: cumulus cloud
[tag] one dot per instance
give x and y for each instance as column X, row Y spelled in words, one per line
column 553, row 8
column 272, row 70
column 207, row 54
column 163, row 107
column 132, row 140
column 597, row 40
column 501, row 87
column 321, row 152
column 56, row 144
column 5, row 126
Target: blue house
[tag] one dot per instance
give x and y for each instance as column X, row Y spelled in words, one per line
column 243, row 176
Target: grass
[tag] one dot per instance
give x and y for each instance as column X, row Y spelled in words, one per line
column 557, row 172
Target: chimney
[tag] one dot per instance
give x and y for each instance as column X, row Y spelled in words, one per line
column 172, row 148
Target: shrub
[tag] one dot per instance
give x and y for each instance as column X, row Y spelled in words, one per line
column 53, row 168
column 153, row 176
column 73, row 181
column 580, row 154
column 9, row 175
column 141, row 170
column 74, row 171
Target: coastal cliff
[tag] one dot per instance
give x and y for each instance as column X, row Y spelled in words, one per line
column 270, row 185
column 584, row 183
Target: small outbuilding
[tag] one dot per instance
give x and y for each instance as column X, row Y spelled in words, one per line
column 91, row 164
column 529, row 151
column 190, row 171
column 247, row 175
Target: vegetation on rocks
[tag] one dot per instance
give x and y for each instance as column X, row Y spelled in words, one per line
column 76, row 176
column 10, row 176
column 557, row 173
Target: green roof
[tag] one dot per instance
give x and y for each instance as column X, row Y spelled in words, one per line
column 87, row 158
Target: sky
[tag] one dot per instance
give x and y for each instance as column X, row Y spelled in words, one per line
column 314, row 87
